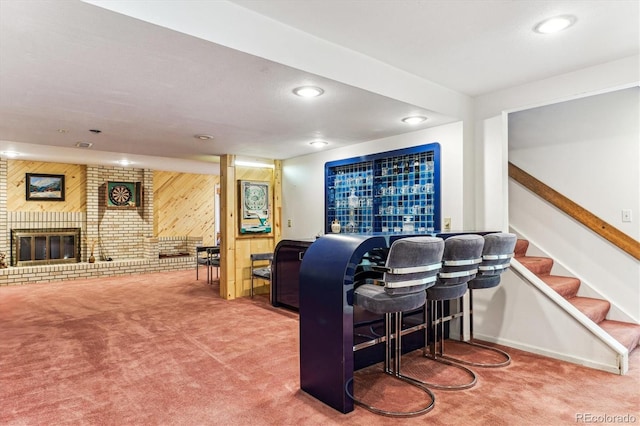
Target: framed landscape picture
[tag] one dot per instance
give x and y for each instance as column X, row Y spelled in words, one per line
column 44, row 187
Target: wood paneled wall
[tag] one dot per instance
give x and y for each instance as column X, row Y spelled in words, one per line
column 184, row 205
column 75, row 190
column 236, row 273
column 248, row 244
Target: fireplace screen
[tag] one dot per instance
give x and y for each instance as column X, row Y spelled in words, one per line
column 45, row 246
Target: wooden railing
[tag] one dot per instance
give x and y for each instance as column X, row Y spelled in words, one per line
column 585, row 217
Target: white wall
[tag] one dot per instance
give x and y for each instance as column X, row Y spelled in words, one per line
column 303, row 178
column 490, row 146
column 491, row 163
column 588, row 149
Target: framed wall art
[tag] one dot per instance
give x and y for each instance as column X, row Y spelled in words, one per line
column 254, row 206
column 123, row 194
column 44, row 187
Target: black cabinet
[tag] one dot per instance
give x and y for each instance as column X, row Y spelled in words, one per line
column 285, row 283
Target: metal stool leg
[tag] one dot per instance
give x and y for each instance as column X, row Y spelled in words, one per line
column 433, row 323
column 393, row 354
column 506, row 357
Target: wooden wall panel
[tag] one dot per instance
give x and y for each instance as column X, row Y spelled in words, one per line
column 256, row 243
column 184, row 205
column 75, row 186
column 244, row 249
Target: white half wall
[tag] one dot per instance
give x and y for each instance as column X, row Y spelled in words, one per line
column 519, row 315
column 303, row 178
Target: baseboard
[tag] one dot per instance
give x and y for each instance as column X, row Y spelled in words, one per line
column 620, row 368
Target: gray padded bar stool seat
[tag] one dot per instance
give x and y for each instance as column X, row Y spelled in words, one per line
column 462, row 255
column 496, row 258
column 411, row 267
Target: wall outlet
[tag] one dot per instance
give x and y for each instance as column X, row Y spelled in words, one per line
column 289, row 223
column 626, row 215
column 446, row 222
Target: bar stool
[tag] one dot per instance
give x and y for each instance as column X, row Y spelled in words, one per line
column 496, row 258
column 410, row 268
column 462, row 255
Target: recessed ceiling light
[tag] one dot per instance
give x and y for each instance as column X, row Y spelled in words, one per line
column 124, row 162
column 308, row 91
column 555, row 24
column 84, row 144
column 62, row 130
column 318, row 143
column 10, row 154
column 414, row 119
column 203, row 137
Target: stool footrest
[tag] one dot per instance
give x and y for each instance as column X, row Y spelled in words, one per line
column 425, row 409
column 504, row 363
column 440, row 386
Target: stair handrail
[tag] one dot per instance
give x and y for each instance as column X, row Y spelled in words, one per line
column 622, row 352
column 605, row 230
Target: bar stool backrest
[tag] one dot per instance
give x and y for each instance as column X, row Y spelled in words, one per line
column 460, row 260
column 412, row 265
column 496, row 258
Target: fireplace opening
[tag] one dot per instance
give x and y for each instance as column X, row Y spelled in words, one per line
column 47, row 246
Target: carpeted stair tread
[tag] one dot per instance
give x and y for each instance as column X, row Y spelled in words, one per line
column 627, row 334
column 566, row 287
column 521, row 248
column 624, row 332
column 595, row 309
column 537, row 265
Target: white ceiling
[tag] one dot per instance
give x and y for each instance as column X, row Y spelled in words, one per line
column 471, row 46
column 75, row 66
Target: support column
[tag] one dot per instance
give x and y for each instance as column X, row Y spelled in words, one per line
column 228, row 223
column 277, row 202
column 4, row 228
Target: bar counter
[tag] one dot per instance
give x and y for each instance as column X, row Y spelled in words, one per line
column 327, row 273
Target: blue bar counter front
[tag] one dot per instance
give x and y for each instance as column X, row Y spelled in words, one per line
column 327, row 277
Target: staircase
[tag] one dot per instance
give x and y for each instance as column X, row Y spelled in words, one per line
column 627, row 334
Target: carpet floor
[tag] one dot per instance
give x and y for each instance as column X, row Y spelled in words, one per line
column 165, row 349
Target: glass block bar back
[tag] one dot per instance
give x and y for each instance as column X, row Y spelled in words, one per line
column 394, row 191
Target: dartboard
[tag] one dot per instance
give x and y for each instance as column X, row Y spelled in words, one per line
column 120, row 195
